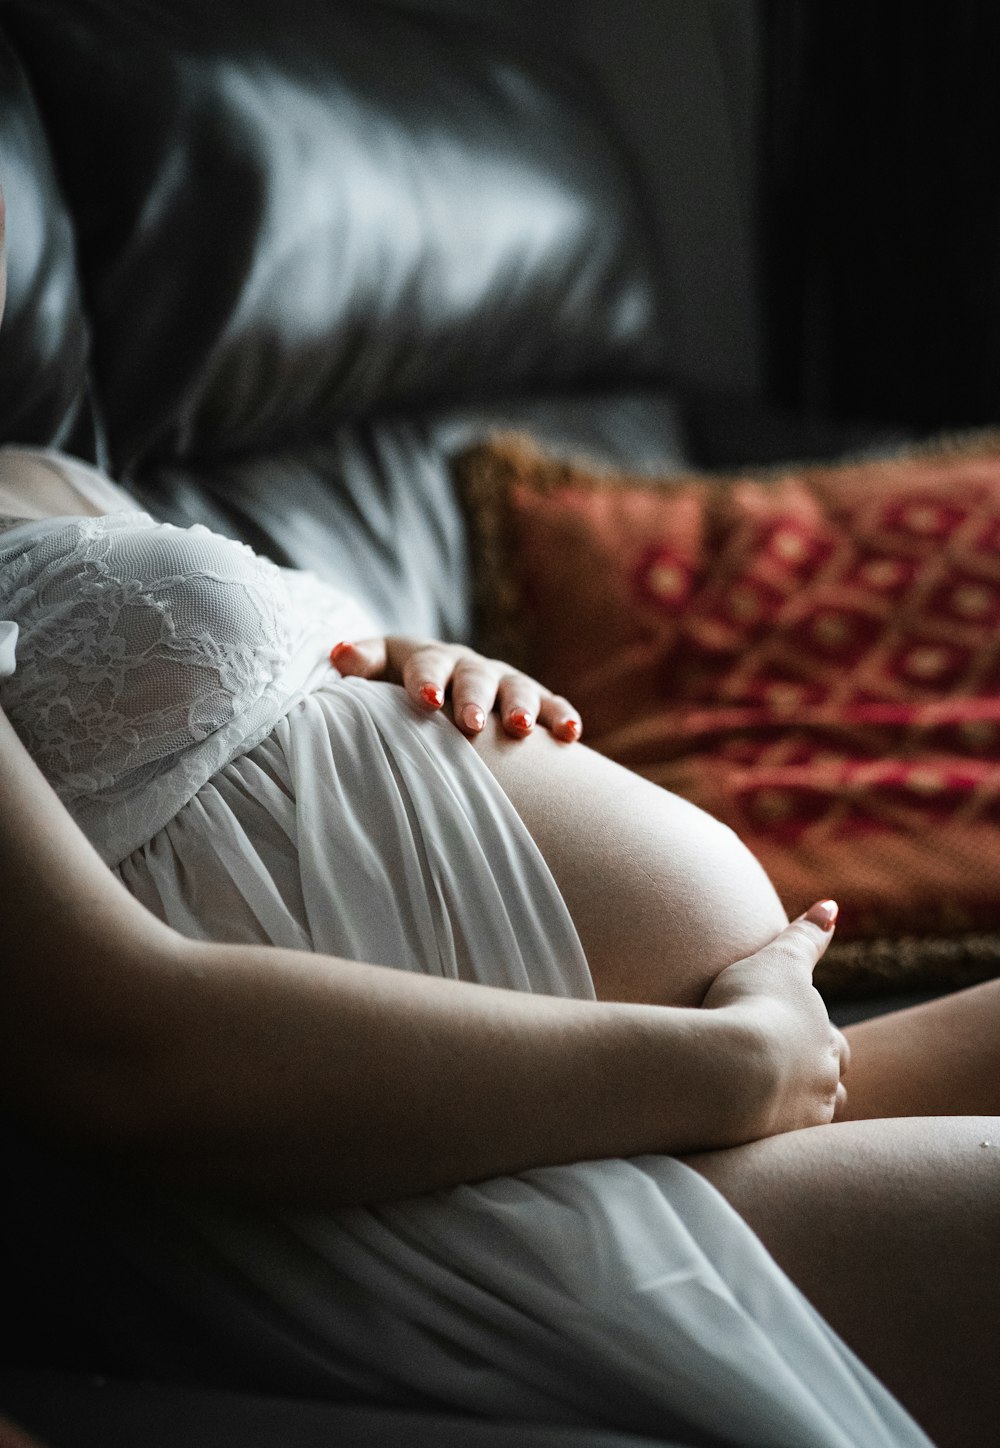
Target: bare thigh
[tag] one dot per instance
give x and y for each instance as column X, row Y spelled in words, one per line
column 890, row 1228
column 939, row 1058
column 662, row 895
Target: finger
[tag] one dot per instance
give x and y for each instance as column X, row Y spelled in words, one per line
column 558, row 715
column 474, row 692
column 427, row 673
column 840, row 1102
column 818, row 923
column 843, row 1051
column 808, row 937
column 365, row 659
column 824, row 914
column 520, row 699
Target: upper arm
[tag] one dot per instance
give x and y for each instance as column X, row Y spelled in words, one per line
column 75, row 946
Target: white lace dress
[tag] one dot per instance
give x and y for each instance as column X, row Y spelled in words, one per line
column 175, row 690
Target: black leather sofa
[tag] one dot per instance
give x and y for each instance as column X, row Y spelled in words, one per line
column 271, row 266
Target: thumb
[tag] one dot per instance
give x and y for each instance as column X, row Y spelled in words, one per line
column 815, row 926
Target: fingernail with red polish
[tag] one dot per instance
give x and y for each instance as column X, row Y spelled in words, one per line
column 521, row 720
column 824, row 914
column 339, row 650
column 432, row 696
column 473, row 718
column 568, row 730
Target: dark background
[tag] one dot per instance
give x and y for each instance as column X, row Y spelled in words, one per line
column 825, row 187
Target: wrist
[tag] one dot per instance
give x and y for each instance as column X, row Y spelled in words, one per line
column 704, row 1078
column 745, row 1068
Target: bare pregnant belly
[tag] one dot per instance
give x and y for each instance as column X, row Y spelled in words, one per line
column 663, row 895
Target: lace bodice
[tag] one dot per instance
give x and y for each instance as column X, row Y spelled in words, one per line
column 148, row 656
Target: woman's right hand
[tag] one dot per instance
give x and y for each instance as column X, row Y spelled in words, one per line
column 796, row 1072
column 429, row 670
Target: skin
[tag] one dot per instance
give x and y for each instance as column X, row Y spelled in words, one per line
column 239, row 1068
column 271, row 1072
column 888, row 1225
column 234, row 1069
column 12, row 1437
column 167, row 1057
column 890, row 1228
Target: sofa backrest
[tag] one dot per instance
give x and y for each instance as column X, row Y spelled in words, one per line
column 253, row 253
column 43, row 356
column 284, row 224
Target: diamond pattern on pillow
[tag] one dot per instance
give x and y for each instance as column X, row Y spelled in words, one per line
column 812, row 656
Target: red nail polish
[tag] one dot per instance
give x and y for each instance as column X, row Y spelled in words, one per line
column 521, row 719
column 339, row 650
column 432, row 696
column 568, row 730
column 824, row 914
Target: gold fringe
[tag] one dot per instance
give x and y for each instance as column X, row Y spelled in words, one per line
column 852, row 969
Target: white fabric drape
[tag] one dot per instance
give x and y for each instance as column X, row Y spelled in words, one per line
column 340, row 819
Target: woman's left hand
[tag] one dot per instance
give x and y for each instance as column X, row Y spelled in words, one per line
column 428, row 670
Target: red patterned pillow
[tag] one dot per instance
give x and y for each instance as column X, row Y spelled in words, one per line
column 813, row 657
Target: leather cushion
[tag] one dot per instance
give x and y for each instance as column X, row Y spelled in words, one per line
column 43, row 352
column 372, row 508
column 288, row 219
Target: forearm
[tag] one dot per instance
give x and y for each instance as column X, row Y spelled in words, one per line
column 281, row 1073
column 285, row 1073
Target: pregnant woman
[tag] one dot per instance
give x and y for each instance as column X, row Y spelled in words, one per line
column 386, row 1017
